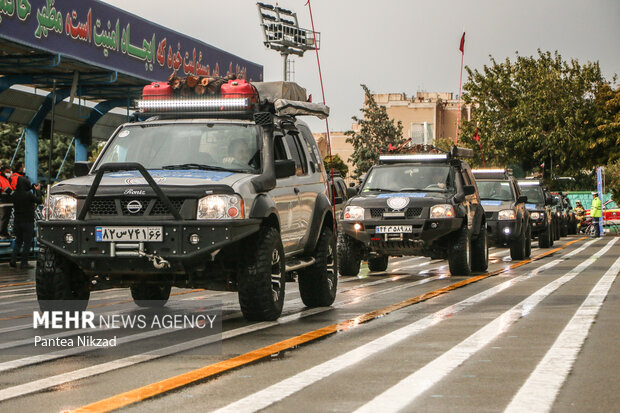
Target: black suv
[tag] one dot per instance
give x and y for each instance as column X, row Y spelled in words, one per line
column 218, row 196
column 508, row 221
column 418, row 204
column 539, row 204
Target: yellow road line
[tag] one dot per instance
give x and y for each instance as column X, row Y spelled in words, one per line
column 16, row 284
column 166, row 385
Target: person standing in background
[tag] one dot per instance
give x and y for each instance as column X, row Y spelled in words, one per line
column 596, row 212
column 18, row 172
column 24, row 202
column 6, row 189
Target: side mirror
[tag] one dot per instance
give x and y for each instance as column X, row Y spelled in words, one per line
column 351, row 192
column 469, row 189
column 82, row 168
column 338, row 200
column 285, row 168
column 522, row 199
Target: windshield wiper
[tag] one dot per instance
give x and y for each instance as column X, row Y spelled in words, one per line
column 202, row 167
column 379, row 189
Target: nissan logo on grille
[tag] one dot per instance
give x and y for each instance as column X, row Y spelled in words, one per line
column 134, row 207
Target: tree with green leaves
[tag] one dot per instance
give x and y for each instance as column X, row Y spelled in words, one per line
column 538, row 109
column 9, row 138
column 375, row 132
column 339, row 165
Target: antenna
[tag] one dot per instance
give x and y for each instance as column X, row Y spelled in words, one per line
column 281, row 32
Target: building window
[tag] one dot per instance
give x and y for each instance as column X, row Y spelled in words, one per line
column 417, row 133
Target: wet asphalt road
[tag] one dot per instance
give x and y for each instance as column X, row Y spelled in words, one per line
column 532, row 336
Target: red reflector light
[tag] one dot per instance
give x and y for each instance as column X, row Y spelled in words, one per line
column 375, row 239
column 233, row 212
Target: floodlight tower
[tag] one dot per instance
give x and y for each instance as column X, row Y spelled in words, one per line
column 282, row 33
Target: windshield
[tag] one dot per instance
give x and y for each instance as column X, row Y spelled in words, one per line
column 534, row 194
column 187, row 146
column 404, row 178
column 495, row 190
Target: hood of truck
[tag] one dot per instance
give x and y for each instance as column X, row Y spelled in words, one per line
column 413, row 199
column 494, row 206
column 133, row 183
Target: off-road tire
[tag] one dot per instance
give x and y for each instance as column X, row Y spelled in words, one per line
column 150, row 295
column 564, row 229
column 459, row 258
column 318, row 283
column 60, row 284
column 480, row 251
column 349, row 255
column 528, row 241
column 544, row 238
column 518, row 247
column 552, row 235
column 262, row 277
column 378, row 264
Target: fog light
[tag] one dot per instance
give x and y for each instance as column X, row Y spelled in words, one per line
column 434, row 225
column 506, row 231
column 357, row 226
column 194, row 239
column 68, row 238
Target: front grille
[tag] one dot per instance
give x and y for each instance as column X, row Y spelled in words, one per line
column 160, row 209
column 377, row 212
column 413, row 212
column 103, row 207
column 488, row 215
column 108, row 206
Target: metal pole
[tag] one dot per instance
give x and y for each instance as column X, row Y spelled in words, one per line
column 49, row 164
column 284, row 60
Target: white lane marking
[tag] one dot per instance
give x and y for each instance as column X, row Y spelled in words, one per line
column 403, row 393
column 424, row 264
column 279, row 391
column 541, row 388
column 46, row 383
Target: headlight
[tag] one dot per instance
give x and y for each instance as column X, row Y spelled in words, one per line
column 353, row 213
column 220, row 207
column 62, row 207
column 535, row 215
column 442, row 211
column 506, row 214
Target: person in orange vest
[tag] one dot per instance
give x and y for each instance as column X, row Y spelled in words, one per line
column 6, row 189
column 18, row 172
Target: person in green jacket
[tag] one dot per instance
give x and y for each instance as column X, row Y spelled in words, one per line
column 596, row 212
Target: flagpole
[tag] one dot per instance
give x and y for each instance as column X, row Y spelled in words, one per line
column 458, row 115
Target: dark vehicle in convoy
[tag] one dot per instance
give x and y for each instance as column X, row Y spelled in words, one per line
column 539, row 204
column 567, row 222
column 508, row 221
column 341, row 192
column 224, row 194
column 415, row 204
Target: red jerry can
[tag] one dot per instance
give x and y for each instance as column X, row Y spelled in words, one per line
column 157, row 90
column 239, row 88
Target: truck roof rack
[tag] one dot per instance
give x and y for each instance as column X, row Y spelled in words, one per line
column 491, row 173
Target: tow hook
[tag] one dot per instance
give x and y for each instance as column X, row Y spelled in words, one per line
column 137, row 250
column 158, row 262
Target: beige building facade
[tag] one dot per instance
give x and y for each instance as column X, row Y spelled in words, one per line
column 425, row 117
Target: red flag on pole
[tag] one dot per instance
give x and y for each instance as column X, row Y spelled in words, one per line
column 462, row 46
column 476, row 136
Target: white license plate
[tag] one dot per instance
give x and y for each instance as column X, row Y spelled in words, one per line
column 393, row 229
column 129, row 234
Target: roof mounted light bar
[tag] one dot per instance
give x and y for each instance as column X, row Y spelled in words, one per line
column 490, row 173
column 533, row 182
column 414, row 158
column 193, row 105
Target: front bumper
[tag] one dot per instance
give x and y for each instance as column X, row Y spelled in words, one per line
column 501, row 232
column 424, row 233
column 538, row 225
column 93, row 256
